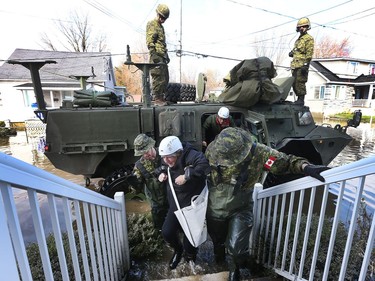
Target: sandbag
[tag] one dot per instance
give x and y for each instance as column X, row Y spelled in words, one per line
column 250, row 82
column 94, row 98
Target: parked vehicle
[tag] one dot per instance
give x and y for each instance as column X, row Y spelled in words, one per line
column 97, row 142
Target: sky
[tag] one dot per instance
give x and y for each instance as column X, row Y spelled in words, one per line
column 214, row 34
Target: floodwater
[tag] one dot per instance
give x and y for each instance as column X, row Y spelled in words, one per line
column 362, row 146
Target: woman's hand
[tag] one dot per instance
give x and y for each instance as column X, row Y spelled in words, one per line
column 162, row 177
column 180, row 180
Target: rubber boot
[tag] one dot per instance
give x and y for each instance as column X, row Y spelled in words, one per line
column 300, row 100
column 176, row 258
column 219, row 252
column 234, row 270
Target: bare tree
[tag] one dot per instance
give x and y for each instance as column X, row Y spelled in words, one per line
column 213, row 80
column 76, row 35
column 327, row 47
column 271, row 47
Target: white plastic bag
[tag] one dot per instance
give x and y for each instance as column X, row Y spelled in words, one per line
column 193, row 218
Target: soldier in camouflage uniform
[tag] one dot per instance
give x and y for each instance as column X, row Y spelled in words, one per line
column 237, row 164
column 302, row 54
column 146, row 170
column 155, row 40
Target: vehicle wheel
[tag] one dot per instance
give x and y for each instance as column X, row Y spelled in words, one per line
column 180, row 92
column 117, row 181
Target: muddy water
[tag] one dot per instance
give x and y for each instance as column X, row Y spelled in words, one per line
column 362, row 146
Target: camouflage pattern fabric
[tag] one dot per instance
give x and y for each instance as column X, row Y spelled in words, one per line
column 229, row 213
column 303, row 51
column 300, row 78
column 226, row 154
column 302, row 54
column 155, row 40
column 142, row 144
column 155, row 191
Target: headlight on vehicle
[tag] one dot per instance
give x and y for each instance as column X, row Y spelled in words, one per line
column 304, row 118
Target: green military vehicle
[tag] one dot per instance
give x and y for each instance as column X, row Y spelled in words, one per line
column 97, row 142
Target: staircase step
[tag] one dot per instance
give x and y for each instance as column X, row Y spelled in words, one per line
column 221, row 276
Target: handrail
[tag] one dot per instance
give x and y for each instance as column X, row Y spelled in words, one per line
column 95, row 225
column 292, row 220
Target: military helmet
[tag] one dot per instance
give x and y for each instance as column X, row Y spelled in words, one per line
column 163, row 10
column 304, row 22
column 230, row 147
column 142, row 144
column 169, row 146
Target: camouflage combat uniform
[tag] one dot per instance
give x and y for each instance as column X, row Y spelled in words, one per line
column 155, row 191
column 155, row 40
column 302, row 54
column 146, row 172
column 237, row 164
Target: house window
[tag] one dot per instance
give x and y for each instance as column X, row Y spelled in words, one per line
column 28, row 97
column 67, row 95
column 352, row 67
column 336, row 90
column 372, row 69
column 319, row 92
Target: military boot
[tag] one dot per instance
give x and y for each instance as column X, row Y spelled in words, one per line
column 300, row 100
column 234, row 270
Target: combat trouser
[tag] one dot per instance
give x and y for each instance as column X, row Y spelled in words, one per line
column 160, row 77
column 300, row 78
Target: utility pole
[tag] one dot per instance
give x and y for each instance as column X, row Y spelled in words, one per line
column 180, row 39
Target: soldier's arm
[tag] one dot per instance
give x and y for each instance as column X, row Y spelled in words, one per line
column 151, row 35
column 282, row 163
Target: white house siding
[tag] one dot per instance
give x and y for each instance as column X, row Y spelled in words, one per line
column 332, row 105
column 345, row 69
column 12, row 106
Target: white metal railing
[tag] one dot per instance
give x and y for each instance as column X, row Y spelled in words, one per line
column 301, row 230
column 361, row 103
column 94, row 224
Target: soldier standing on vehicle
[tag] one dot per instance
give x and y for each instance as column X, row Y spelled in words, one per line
column 302, row 54
column 237, row 163
column 156, row 44
column 146, row 170
column 215, row 123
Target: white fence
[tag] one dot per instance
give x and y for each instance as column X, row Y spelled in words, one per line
column 308, row 231
column 95, row 226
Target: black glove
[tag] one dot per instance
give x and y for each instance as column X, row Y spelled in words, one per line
column 160, row 170
column 315, row 170
column 291, row 54
column 305, row 70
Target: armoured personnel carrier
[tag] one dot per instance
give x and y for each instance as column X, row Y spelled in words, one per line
column 97, row 142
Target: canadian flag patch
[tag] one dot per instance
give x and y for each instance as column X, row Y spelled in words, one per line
column 269, row 163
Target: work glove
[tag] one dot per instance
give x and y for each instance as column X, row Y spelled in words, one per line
column 315, row 170
column 291, row 54
column 160, row 170
column 305, row 70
